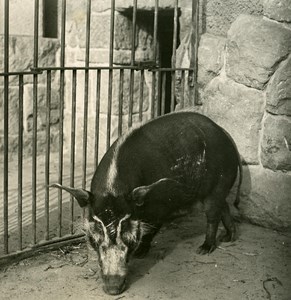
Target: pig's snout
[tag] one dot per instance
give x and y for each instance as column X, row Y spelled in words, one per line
column 114, row 284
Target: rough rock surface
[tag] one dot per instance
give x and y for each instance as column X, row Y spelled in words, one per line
column 278, row 92
column 218, row 15
column 21, row 52
column 210, row 57
column 254, row 48
column 279, row 10
column 265, row 197
column 239, row 110
column 12, row 111
column 276, row 143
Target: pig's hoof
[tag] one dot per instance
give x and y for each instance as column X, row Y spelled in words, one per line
column 205, row 249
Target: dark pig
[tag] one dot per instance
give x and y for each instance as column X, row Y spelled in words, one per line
column 149, row 175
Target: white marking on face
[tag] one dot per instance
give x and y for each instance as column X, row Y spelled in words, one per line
column 118, row 237
column 106, row 237
column 113, row 257
column 111, row 176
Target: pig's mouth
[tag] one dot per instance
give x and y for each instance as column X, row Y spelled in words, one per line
column 114, row 285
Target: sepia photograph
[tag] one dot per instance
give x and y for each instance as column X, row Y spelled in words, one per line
column 145, row 149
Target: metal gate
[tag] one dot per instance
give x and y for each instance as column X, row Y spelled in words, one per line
column 32, row 215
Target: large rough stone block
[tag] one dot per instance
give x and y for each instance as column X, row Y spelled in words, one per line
column 123, row 32
column 41, row 106
column 217, row 15
column 126, row 90
column 183, row 91
column 13, row 144
column 21, row 55
column 21, row 15
column 104, row 85
column 276, row 143
column 210, row 57
column 99, row 30
column 279, row 10
column 278, row 91
column 254, row 47
column 239, row 110
column 265, row 197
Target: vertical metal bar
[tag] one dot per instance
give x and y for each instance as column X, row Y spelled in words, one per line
column 47, row 153
column 182, row 104
column 86, row 93
column 85, row 129
column 6, row 110
column 153, row 96
column 34, row 134
column 109, row 109
column 61, row 112
column 97, row 120
column 73, row 140
column 109, row 106
column 120, row 101
column 158, row 111
column 156, row 13
column 20, row 160
column 194, row 46
column 112, row 16
column 175, row 36
column 141, row 87
column 132, row 59
column 163, row 100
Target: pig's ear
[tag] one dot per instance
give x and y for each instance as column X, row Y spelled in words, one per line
column 81, row 195
column 161, row 187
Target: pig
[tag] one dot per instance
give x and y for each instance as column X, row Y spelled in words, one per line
column 146, row 177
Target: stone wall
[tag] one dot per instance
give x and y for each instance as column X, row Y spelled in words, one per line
column 244, row 82
column 99, row 56
column 21, row 16
column 21, row 59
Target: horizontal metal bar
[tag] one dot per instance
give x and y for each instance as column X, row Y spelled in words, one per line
column 137, row 68
column 21, row 73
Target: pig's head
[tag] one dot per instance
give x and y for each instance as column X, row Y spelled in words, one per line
column 113, row 234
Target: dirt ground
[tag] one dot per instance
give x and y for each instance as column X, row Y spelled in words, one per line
column 256, row 266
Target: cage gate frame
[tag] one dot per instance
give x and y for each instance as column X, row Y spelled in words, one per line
column 157, row 108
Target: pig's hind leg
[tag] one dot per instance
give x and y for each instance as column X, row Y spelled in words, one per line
column 216, row 209
column 229, row 225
